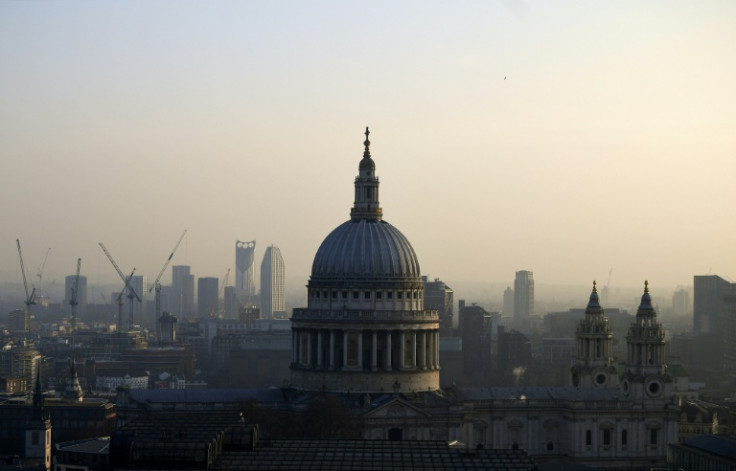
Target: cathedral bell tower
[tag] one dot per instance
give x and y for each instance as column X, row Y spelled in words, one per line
column 593, row 338
column 646, row 375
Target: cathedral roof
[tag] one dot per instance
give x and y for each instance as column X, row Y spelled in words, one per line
column 363, row 249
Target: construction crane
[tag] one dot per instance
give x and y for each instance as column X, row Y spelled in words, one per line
column 222, row 294
column 156, row 283
column 39, row 274
column 30, row 298
column 131, row 292
column 73, row 300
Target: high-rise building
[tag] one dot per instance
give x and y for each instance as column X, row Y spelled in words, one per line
column 230, row 303
column 681, row 304
column 182, row 282
column 440, row 297
column 523, row 295
column 81, row 293
column 508, row 302
column 273, row 293
column 207, row 297
column 245, row 268
column 477, row 332
column 710, row 320
column 137, row 312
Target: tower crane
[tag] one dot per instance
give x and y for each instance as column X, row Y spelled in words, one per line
column 131, row 292
column 39, row 274
column 156, row 283
column 30, row 298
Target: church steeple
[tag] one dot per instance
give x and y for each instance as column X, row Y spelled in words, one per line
column 593, row 338
column 366, row 205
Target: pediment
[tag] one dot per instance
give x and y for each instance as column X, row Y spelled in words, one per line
column 396, row 407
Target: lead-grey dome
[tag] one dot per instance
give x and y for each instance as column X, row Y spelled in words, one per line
column 367, row 250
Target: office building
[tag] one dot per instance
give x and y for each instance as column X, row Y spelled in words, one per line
column 709, row 320
column 508, row 302
column 207, row 297
column 523, row 298
column 681, row 303
column 245, row 268
column 182, row 282
column 441, row 298
column 273, row 289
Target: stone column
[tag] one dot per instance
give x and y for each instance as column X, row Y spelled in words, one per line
column 388, row 351
column 309, row 350
column 332, row 349
column 294, row 346
column 413, row 348
column 402, row 348
column 423, row 353
column 374, row 351
column 320, row 359
column 360, row 349
column 436, row 349
column 344, row 348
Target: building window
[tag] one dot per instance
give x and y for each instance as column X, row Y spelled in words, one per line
column 344, row 295
column 367, row 295
column 356, row 295
column 588, row 438
column 379, row 295
column 398, row 295
column 390, row 295
column 624, row 437
column 334, row 295
column 324, row 294
column 607, row 437
column 653, row 436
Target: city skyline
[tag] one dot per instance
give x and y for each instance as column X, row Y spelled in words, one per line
column 567, row 139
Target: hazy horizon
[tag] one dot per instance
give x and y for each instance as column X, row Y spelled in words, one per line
column 573, row 139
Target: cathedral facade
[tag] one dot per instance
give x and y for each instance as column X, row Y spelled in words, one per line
column 365, row 332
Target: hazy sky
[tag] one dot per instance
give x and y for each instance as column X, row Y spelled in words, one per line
column 567, row 138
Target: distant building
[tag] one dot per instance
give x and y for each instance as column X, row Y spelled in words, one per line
column 440, row 297
column 523, row 297
column 710, row 320
column 136, row 314
column 477, row 334
column 207, row 297
column 508, row 302
column 273, row 289
column 231, row 304
column 681, row 303
column 245, row 284
column 17, row 321
column 182, row 282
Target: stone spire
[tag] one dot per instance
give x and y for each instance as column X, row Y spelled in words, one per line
column 366, row 205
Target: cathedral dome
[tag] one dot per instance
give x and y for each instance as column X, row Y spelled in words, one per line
column 364, row 249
